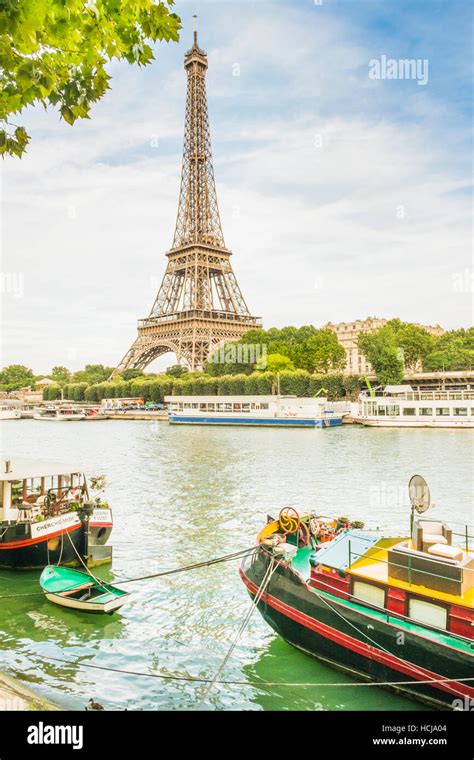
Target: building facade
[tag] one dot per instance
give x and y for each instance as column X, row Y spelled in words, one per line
column 348, row 334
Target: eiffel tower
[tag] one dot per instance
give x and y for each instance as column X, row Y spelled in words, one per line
column 199, row 304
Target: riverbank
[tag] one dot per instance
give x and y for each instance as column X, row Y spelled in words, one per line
column 15, row 696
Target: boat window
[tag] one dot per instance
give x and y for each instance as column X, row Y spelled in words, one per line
column 263, row 406
column 228, row 407
column 409, row 411
column 210, row 407
column 460, row 411
column 202, row 407
column 442, row 411
column 426, row 411
column 393, row 410
column 366, row 592
column 33, row 489
column 194, row 406
column 428, row 613
column 245, row 407
column 382, row 410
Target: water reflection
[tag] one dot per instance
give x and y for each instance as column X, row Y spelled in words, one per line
column 181, row 495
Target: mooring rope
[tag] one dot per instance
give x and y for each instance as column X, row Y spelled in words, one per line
column 195, row 566
column 272, row 566
column 210, row 680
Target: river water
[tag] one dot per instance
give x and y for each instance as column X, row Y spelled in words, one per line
column 185, row 494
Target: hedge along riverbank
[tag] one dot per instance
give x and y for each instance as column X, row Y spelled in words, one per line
column 298, row 383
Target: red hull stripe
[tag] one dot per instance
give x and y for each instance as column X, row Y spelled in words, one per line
column 371, row 652
column 100, row 525
column 31, row 541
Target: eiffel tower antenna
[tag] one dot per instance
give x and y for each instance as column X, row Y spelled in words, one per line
column 199, row 305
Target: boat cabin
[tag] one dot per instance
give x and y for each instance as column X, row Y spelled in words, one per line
column 264, row 405
column 32, row 489
column 404, row 407
column 426, row 579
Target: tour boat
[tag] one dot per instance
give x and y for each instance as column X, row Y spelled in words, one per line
column 401, row 406
column 267, row 411
column 9, row 413
column 80, row 591
column 393, row 610
column 46, row 516
column 60, row 414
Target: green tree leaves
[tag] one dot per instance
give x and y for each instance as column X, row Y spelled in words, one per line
column 304, row 347
column 452, row 351
column 55, row 53
column 401, row 346
column 60, row 375
column 381, row 349
column 16, row 376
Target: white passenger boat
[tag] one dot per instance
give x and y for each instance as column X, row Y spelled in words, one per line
column 60, row 414
column 9, row 413
column 256, row 411
column 401, row 406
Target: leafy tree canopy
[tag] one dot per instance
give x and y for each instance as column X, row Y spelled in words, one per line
column 54, row 52
column 274, row 363
column 452, row 351
column 382, row 351
column 92, row 373
column 416, row 349
column 305, row 347
column 60, row 375
column 130, row 374
column 177, row 370
column 16, row 376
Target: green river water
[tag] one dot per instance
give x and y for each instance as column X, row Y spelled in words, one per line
column 185, row 494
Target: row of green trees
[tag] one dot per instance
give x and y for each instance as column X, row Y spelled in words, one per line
column 309, row 348
column 298, row 382
column 17, row 376
column 393, row 350
column 401, row 347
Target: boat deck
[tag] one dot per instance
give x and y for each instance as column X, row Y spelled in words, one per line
column 374, row 567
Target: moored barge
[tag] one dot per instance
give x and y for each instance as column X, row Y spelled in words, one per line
column 48, row 518
column 393, row 610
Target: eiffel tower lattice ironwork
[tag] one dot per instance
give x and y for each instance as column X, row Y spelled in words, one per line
column 199, row 304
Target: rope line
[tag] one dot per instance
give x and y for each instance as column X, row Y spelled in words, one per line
column 225, row 558
column 197, row 679
column 272, row 566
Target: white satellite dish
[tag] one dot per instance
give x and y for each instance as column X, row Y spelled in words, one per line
column 420, row 496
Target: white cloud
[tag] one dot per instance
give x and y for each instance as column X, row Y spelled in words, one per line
column 367, row 219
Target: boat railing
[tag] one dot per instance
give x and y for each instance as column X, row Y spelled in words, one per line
column 437, row 395
column 409, row 565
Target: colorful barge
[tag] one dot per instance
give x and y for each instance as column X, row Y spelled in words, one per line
column 398, row 611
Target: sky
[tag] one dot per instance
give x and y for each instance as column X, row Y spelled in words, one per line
column 341, row 195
